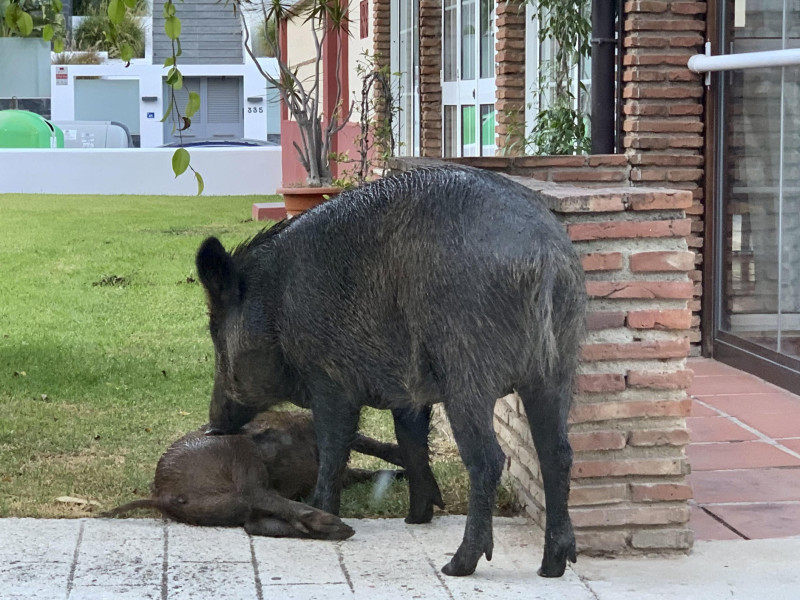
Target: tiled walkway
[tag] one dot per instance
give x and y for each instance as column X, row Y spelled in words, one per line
column 744, row 454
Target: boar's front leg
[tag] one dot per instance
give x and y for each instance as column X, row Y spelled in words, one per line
column 411, row 428
column 336, row 424
column 276, row 516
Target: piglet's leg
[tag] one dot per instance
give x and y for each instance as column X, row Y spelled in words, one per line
column 298, row 519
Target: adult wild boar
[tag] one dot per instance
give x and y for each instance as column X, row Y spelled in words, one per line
column 447, row 285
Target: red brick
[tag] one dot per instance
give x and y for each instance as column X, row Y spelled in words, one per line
column 640, row 289
column 661, row 261
column 661, row 24
column 596, row 321
column 672, row 380
column 597, row 440
column 606, row 230
column 601, row 542
column 661, row 200
column 660, row 492
column 602, row 261
column 600, row 383
column 624, row 467
column 662, row 125
column 672, row 91
column 596, row 412
column 688, row 8
column 587, row 495
column 604, row 176
column 659, row 437
column 608, row 160
column 660, row 319
column 645, row 6
column 636, row 350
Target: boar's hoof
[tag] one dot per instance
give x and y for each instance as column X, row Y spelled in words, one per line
column 466, row 558
column 323, row 526
column 421, row 509
column 554, row 562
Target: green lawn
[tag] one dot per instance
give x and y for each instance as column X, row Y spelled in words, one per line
column 105, row 357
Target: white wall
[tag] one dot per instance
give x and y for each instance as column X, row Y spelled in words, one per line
column 225, row 171
column 150, row 79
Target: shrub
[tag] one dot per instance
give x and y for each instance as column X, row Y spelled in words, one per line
column 91, row 34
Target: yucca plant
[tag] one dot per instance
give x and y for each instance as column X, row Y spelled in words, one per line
column 303, row 95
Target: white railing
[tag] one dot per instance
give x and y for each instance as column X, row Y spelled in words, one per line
column 705, row 63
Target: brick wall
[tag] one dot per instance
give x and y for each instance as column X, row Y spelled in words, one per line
column 430, row 65
column 663, row 110
column 627, row 427
column 510, row 77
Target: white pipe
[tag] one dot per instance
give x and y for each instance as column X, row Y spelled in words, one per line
column 702, row 63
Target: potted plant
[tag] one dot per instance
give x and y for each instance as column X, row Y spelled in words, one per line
column 302, row 92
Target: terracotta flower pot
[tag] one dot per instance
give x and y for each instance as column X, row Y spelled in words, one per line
column 299, row 199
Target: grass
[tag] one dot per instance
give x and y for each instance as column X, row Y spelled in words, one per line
column 105, row 357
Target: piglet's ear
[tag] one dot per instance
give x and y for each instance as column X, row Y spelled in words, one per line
column 217, row 273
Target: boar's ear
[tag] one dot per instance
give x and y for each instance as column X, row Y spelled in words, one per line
column 217, row 273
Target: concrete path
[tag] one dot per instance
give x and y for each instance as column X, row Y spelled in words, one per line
column 93, row 559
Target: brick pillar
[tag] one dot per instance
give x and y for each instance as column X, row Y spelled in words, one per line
column 510, row 78
column 430, row 66
column 663, row 109
column 627, row 427
column 381, row 48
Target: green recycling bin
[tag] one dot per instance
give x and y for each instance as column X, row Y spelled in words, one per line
column 24, row 129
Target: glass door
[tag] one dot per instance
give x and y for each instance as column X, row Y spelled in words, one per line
column 468, row 78
column 757, row 255
column 405, row 63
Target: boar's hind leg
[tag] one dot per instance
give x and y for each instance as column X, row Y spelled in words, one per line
column 471, row 419
column 547, row 416
column 411, row 429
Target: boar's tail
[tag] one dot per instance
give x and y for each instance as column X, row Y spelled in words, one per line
column 559, row 300
column 135, row 505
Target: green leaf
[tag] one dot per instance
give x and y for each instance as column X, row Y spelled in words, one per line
column 126, row 52
column 168, row 111
column 47, row 33
column 172, row 27
column 130, row 3
column 169, row 10
column 179, row 52
column 25, row 23
column 180, row 161
column 175, row 79
column 200, row 185
column 58, row 45
column 58, row 6
column 116, row 11
column 169, row 62
column 193, row 105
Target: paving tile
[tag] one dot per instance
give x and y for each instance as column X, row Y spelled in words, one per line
column 706, row 527
column 716, row 429
column 283, row 561
column 704, row 367
column 729, row 384
column 29, row 579
column 38, row 539
column 338, row 591
column 112, row 562
column 218, row 580
column 737, row 455
column 774, row 424
column 792, row 444
column 385, row 561
column 763, row 520
column 746, row 485
column 128, row 529
column 226, row 544
column 744, row 404
column 112, row 592
column 698, row 410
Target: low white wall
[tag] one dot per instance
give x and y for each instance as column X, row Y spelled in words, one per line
column 225, row 171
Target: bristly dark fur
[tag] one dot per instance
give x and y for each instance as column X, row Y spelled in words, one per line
column 443, row 285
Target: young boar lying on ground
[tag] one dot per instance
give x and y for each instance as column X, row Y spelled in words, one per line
column 252, row 479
